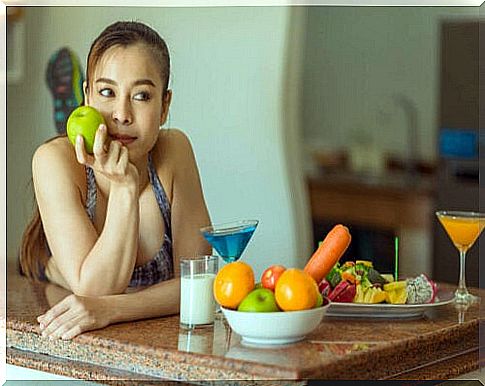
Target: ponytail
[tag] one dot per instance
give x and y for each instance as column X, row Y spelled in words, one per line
column 33, row 248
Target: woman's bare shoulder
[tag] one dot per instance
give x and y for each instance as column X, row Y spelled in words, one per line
column 173, row 145
column 56, row 158
column 56, row 147
column 173, row 155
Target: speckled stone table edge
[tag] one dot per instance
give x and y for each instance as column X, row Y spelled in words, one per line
column 446, row 369
column 104, row 375
column 70, row 368
column 178, row 365
column 160, row 364
column 394, row 358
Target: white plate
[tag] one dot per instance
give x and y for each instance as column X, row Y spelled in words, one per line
column 271, row 328
column 384, row 310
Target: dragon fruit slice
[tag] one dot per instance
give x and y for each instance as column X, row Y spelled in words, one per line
column 421, row 290
column 344, row 292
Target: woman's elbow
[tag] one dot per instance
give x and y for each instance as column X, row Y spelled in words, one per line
column 98, row 289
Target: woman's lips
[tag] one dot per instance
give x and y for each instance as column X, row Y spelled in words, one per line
column 123, row 139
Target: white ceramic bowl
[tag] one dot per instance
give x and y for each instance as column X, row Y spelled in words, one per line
column 274, row 327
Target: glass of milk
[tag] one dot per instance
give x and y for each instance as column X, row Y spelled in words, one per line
column 197, row 303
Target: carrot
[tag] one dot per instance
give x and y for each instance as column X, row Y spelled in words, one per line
column 328, row 253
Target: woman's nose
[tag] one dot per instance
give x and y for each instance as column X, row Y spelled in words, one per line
column 122, row 112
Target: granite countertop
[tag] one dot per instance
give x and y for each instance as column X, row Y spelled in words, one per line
column 442, row 344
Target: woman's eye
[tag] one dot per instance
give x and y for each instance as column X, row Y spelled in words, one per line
column 106, row 92
column 142, row 96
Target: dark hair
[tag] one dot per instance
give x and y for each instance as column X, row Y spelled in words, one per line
column 34, row 252
column 125, row 33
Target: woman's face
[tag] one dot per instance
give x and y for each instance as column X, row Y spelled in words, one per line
column 126, row 88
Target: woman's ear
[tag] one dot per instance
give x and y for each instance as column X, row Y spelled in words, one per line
column 167, row 99
column 86, row 92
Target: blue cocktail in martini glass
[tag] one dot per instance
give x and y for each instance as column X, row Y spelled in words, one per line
column 230, row 239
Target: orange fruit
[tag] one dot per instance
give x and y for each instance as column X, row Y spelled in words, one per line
column 232, row 283
column 296, row 290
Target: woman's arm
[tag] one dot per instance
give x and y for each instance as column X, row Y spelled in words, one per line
column 76, row 314
column 91, row 264
column 189, row 211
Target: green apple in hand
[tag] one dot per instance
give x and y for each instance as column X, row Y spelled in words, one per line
column 84, row 120
column 259, row 300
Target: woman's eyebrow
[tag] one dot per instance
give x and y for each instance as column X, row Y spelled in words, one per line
column 138, row 82
column 143, row 81
column 105, row 80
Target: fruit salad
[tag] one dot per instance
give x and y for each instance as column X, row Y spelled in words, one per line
column 360, row 282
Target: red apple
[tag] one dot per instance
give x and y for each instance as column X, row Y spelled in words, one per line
column 271, row 275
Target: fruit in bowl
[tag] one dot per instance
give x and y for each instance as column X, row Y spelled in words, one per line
column 270, row 328
column 263, row 316
column 233, row 283
column 259, row 300
column 271, row 275
column 296, row 290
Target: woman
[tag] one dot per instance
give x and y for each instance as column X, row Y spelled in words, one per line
column 117, row 222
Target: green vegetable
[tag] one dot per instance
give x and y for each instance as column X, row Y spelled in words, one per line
column 375, row 277
column 334, row 276
column 361, row 269
column 365, row 283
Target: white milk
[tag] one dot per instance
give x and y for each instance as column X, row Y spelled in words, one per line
column 197, row 304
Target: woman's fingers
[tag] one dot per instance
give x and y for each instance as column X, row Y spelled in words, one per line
column 68, row 325
column 110, row 158
column 72, row 332
column 60, row 325
column 63, row 317
column 81, row 154
column 100, row 145
column 114, row 154
column 74, row 315
column 54, row 312
column 124, row 159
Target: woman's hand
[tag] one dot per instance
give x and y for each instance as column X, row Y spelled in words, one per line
column 74, row 315
column 109, row 158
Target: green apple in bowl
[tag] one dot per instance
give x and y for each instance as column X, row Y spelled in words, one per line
column 319, row 300
column 84, row 120
column 259, row 300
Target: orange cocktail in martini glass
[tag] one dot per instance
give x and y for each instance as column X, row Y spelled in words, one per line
column 463, row 228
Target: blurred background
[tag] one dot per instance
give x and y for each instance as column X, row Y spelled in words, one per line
column 301, row 117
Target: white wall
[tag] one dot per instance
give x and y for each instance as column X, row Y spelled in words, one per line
column 228, row 79
column 357, row 58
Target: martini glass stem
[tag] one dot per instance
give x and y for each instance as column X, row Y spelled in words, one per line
column 462, row 296
column 462, row 292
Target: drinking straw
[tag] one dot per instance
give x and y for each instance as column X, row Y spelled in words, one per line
column 396, row 257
